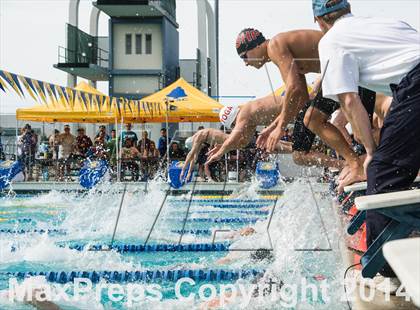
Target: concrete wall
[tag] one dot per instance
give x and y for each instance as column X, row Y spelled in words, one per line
column 136, row 84
column 137, row 61
column 170, row 51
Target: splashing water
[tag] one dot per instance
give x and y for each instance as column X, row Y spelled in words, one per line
column 295, row 234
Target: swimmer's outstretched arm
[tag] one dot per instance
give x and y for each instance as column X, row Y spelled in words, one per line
column 239, row 138
column 210, row 136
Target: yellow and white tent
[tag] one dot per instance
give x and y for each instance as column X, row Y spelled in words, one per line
column 77, row 113
column 192, row 106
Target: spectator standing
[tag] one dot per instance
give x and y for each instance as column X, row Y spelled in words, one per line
column 100, row 145
column 28, row 142
column 111, row 147
column 67, row 143
column 102, row 131
column 162, row 143
column 144, row 143
column 54, row 143
column 129, row 134
column 83, row 143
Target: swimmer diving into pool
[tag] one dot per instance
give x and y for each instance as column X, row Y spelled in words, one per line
column 295, row 53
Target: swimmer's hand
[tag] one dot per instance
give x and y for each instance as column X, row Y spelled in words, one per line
column 274, row 138
column 264, row 134
column 214, row 154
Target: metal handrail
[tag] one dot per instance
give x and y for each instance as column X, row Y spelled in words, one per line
column 63, row 54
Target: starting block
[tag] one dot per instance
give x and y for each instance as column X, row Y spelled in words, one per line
column 403, row 208
column 404, row 257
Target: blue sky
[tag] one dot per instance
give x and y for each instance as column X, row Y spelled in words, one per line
column 32, row 30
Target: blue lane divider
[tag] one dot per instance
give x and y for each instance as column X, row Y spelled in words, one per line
column 122, row 248
column 232, row 206
column 226, row 200
column 33, row 231
column 20, row 220
column 205, row 232
column 224, row 220
column 142, row 276
column 251, row 212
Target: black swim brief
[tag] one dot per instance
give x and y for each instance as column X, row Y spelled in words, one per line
column 303, row 138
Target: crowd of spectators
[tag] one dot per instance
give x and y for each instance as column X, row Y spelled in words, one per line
column 66, row 152
column 140, row 159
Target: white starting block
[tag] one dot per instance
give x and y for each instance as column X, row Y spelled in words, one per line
column 388, row 200
column 404, row 258
column 361, row 186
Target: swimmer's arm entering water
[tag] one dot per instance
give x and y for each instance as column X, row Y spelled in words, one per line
column 240, row 137
column 210, row 136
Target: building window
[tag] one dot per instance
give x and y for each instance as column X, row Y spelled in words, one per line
column 138, row 43
column 128, row 44
column 148, row 43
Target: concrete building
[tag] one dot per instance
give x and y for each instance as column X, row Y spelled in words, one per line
column 139, row 56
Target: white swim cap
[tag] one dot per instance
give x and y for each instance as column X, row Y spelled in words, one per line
column 228, row 115
column 189, row 143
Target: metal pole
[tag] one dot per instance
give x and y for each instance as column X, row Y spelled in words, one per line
column 120, row 142
column 167, row 139
column 16, row 141
column 117, row 148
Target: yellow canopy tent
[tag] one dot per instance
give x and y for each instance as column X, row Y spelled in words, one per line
column 185, row 104
column 195, row 106
column 57, row 112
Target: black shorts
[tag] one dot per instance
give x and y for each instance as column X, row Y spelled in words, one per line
column 399, row 144
column 303, row 138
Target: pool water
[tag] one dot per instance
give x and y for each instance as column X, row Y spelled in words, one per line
column 39, row 234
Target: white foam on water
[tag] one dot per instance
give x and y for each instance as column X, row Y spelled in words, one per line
column 295, row 224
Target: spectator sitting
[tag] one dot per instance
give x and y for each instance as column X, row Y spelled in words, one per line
column 83, row 143
column 128, row 155
column 144, row 144
column 162, row 143
column 102, row 130
column 129, row 134
column 54, row 143
column 175, row 152
column 67, row 142
column 152, row 162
